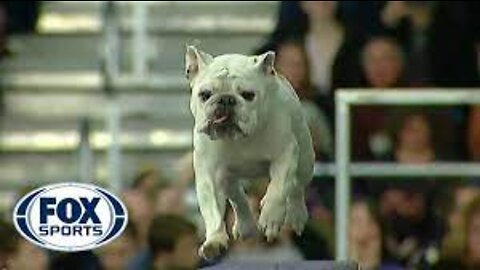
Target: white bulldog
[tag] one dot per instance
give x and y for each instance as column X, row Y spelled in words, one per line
column 248, row 124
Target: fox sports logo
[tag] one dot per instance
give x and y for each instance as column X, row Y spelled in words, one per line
column 70, row 217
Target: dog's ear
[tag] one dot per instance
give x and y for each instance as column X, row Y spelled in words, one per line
column 265, row 63
column 195, row 61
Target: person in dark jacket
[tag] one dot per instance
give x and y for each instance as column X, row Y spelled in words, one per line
column 440, row 38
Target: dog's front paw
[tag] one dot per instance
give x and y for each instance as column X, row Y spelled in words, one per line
column 272, row 218
column 297, row 215
column 214, row 246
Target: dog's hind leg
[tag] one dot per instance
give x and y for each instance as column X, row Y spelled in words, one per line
column 297, row 214
column 282, row 178
column 245, row 224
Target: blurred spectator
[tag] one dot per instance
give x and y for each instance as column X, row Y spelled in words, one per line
column 185, row 170
column 331, row 47
column 363, row 16
column 292, row 63
column 473, row 136
column 411, row 132
column 366, row 239
column 291, row 22
column 37, row 257
column 171, row 199
column 83, row 260
column 383, row 63
column 459, row 199
column 22, row 15
column 3, row 31
column 317, row 239
column 16, row 17
column 117, row 254
column 186, row 183
column 440, row 39
column 469, row 255
column 8, row 244
column 413, row 140
column 140, row 200
column 172, row 241
column 412, row 227
column 422, row 133
column 383, row 68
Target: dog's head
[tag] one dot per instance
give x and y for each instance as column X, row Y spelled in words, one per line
column 230, row 93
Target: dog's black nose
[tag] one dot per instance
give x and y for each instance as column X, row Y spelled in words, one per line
column 227, row 100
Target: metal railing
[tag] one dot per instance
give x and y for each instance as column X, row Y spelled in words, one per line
column 344, row 169
column 110, row 71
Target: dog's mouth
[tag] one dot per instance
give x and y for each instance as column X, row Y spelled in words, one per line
column 221, row 124
column 222, row 117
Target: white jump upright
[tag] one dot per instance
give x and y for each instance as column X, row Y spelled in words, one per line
column 344, row 169
column 110, row 73
column 140, row 39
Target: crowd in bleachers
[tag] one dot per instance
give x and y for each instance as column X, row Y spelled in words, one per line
column 326, row 45
column 395, row 223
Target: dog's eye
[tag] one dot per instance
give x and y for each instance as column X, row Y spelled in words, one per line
column 205, row 95
column 248, row 95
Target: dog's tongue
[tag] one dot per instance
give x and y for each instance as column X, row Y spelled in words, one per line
column 221, row 119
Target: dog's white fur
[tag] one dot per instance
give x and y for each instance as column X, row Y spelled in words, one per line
column 272, row 140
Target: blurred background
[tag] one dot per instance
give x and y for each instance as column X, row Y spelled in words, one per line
column 95, row 92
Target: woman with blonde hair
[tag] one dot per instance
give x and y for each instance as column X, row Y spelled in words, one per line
column 468, row 255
